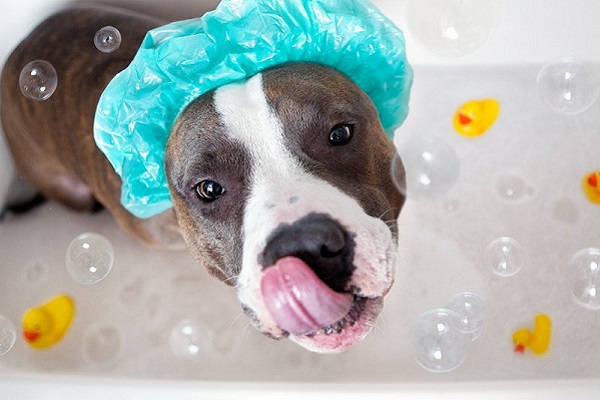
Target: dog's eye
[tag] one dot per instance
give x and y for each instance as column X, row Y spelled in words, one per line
column 340, row 134
column 209, row 190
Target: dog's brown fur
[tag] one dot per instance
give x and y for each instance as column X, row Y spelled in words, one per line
column 52, row 141
column 53, row 147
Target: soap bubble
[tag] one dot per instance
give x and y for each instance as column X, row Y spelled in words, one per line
column 8, row 335
column 432, row 167
column 107, row 39
column 570, row 85
column 470, row 311
column 102, row 345
column 504, row 256
column 584, row 277
column 439, row 345
column 89, row 258
column 190, row 340
column 510, row 187
column 453, row 28
column 38, row 80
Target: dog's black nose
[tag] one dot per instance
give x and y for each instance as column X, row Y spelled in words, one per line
column 318, row 240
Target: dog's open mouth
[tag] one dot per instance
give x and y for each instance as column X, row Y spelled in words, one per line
column 305, row 307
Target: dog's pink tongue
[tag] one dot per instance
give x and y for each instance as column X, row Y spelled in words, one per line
column 298, row 300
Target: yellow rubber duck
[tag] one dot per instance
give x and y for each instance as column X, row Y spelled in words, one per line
column 45, row 325
column 475, row 117
column 538, row 340
column 591, row 187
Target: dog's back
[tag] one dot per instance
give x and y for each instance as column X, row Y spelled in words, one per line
column 52, row 141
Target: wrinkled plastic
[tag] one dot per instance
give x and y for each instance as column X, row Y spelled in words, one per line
column 179, row 62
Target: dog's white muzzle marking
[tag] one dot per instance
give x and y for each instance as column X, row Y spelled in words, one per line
column 281, row 191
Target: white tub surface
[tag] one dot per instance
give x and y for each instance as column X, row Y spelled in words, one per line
column 148, row 292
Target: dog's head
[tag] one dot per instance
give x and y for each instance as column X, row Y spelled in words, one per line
column 282, row 187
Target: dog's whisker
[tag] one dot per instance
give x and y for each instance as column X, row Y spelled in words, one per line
column 236, row 319
column 382, row 215
column 379, row 328
column 232, row 278
column 246, row 331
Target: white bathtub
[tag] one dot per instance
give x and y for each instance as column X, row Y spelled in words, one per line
column 442, row 240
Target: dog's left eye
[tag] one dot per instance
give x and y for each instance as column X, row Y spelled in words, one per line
column 340, row 134
column 209, row 190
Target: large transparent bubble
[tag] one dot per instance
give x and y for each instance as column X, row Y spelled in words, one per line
column 89, row 258
column 470, row 310
column 584, row 277
column 440, row 346
column 190, row 340
column 570, row 85
column 453, row 28
column 431, row 166
column 504, row 256
column 8, row 335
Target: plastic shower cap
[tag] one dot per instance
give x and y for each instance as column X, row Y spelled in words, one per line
column 179, row 62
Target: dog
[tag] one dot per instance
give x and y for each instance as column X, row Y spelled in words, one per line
column 281, row 183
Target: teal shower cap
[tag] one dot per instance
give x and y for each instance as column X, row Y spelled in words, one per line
column 181, row 61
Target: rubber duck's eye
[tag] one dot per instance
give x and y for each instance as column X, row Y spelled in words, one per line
column 341, row 134
column 209, row 190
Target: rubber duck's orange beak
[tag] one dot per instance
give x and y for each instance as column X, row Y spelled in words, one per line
column 464, row 119
column 31, row 336
column 593, row 180
column 519, row 348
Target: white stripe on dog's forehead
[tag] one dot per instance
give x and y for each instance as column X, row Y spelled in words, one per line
column 250, row 120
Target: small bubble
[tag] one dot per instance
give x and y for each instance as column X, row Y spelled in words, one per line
column 570, row 85
column 8, row 335
column 439, row 345
column 38, row 80
column 584, row 277
column 510, row 187
column 190, row 340
column 451, row 205
column 89, row 258
column 470, row 311
column 504, row 256
column 132, row 293
column 102, row 345
column 107, row 39
column 34, row 272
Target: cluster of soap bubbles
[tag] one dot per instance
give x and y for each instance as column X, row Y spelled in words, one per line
column 425, row 168
column 454, row 28
column 442, row 335
column 38, row 80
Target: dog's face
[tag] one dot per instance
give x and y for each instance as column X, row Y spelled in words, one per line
column 282, row 187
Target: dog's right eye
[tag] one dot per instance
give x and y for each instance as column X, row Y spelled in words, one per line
column 340, row 134
column 209, row 190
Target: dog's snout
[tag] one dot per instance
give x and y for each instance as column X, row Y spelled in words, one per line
column 319, row 241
